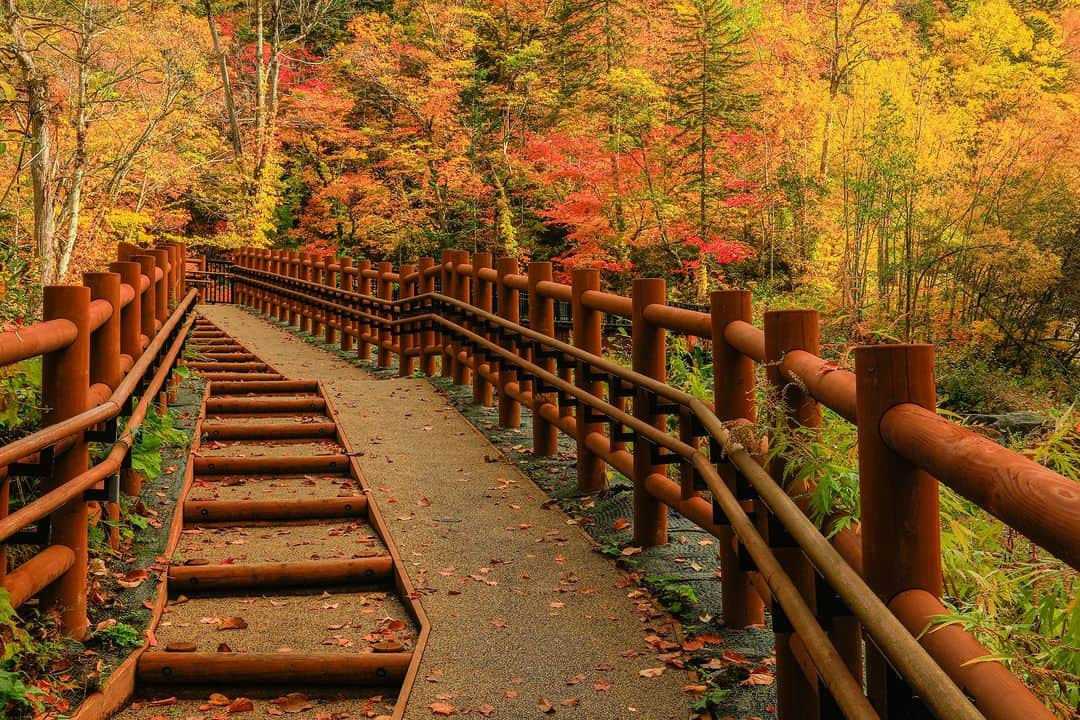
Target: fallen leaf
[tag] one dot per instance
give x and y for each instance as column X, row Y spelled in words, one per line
column 621, row 524
column 240, row 705
column 442, row 709
column 631, row 550
column 486, row 710
column 233, row 623
column 651, row 672
column 545, row 706
column 294, row 703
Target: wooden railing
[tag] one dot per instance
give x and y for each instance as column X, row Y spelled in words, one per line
column 881, row 583
column 103, row 344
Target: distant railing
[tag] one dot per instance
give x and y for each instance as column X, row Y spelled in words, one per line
column 881, row 581
column 108, row 348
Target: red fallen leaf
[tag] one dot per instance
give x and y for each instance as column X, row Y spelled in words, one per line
column 233, row 623
column 570, row 702
column 423, row 502
column 760, row 675
column 442, row 709
column 621, row 524
column 692, row 645
column 219, row 699
column 601, row 685
column 710, row 638
column 499, row 623
column 396, row 625
column 163, row 702
column 240, row 705
column 545, row 706
column 223, row 647
column 294, row 703
column 576, row 679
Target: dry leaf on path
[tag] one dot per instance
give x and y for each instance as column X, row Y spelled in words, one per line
column 233, row 623
column 442, row 709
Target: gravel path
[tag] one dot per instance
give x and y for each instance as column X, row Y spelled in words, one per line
column 523, row 611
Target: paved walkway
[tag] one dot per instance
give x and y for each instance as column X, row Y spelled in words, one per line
column 525, row 616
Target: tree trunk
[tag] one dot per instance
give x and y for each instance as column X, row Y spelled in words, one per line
column 223, row 68
column 42, row 162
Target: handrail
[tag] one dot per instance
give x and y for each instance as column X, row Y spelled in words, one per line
column 413, row 325
column 99, row 342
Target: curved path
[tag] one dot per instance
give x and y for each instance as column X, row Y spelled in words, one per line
column 523, row 613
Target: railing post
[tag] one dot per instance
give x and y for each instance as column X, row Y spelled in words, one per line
column 364, row 328
column 292, row 266
column 901, row 532
column 542, row 320
column 148, row 308
column 131, row 347
column 385, row 290
column 105, row 364
column 447, row 288
column 318, row 275
column 509, row 408
column 649, row 350
column 161, row 288
column 461, row 284
column 65, row 388
column 330, row 317
column 131, row 314
column 406, row 362
column 305, row 273
column 733, row 398
column 787, row 330
column 588, row 335
column 481, row 299
column 348, row 283
column 426, row 284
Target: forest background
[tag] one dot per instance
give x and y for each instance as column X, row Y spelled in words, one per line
column 909, row 167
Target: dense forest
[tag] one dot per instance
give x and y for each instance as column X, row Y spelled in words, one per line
column 910, row 168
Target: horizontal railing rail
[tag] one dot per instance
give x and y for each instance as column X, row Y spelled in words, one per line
column 886, row 576
column 116, row 337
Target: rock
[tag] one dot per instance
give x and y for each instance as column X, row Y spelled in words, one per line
column 1020, row 422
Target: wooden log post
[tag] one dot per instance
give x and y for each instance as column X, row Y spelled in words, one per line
column 292, row 266
column 348, row 284
column 65, row 387
column 733, row 398
column 406, row 362
column 787, row 330
column 542, row 320
column 587, row 335
column 306, row 274
column 363, row 327
column 509, row 408
column 446, row 367
column 161, row 287
column 147, row 309
column 330, row 317
column 649, row 351
column 901, row 531
column 105, row 362
column 426, row 269
column 385, row 290
column 131, row 347
column 482, row 299
column 461, row 284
